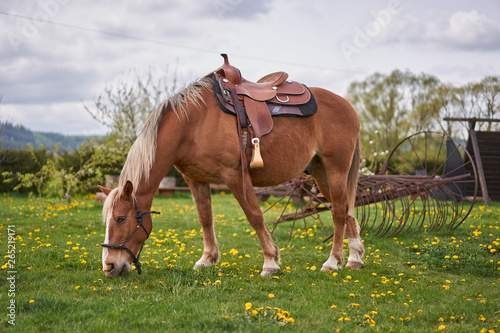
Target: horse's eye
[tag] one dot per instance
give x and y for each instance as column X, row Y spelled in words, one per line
column 121, row 219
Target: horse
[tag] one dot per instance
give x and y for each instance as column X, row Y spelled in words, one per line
column 189, row 131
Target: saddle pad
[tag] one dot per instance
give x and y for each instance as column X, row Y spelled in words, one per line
column 276, row 110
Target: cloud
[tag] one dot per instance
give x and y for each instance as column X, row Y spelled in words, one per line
column 59, row 64
column 241, row 9
column 460, row 30
column 66, row 118
column 470, row 31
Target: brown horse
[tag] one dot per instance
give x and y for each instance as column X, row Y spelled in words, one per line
column 190, row 132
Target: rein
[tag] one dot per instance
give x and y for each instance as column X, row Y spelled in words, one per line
column 122, row 246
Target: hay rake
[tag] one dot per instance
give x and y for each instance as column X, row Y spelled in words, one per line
column 423, row 185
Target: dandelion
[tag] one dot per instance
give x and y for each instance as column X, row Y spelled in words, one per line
column 32, row 301
column 441, row 327
column 248, row 306
column 77, row 287
column 270, row 295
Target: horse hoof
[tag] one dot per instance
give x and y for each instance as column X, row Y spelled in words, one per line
column 328, row 268
column 269, row 271
column 354, row 265
column 200, row 265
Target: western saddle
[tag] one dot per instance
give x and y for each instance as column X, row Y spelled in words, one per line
column 253, row 102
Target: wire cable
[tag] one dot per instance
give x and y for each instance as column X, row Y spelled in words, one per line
column 161, row 42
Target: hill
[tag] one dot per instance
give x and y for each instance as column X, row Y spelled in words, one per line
column 17, row 137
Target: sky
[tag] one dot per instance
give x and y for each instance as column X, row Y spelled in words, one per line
column 57, row 56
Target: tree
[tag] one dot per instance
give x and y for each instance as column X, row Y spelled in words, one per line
column 489, row 98
column 390, row 108
column 472, row 100
column 124, row 108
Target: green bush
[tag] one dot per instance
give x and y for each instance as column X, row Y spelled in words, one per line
column 21, row 161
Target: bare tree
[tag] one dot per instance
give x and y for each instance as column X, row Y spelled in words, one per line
column 124, row 108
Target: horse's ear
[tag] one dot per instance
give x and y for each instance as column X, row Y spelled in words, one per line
column 105, row 190
column 128, row 189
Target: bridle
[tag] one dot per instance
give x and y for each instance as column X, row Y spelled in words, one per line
column 122, row 246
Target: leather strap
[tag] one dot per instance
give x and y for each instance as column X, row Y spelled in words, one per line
column 242, row 123
column 242, row 116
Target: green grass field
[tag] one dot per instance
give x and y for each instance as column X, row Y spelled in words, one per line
column 445, row 281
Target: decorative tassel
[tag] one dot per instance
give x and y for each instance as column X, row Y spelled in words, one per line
column 256, row 162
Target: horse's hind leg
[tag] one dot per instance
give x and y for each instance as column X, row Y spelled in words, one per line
column 333, row 189
column 356, row 248
column 202, row 197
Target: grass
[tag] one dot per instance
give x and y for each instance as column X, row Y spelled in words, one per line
column 433, row 281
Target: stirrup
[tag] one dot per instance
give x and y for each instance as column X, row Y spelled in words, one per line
column 256, row 162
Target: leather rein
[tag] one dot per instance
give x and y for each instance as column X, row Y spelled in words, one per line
column 122, row 246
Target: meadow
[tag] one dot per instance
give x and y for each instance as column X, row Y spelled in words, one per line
column 445, row 281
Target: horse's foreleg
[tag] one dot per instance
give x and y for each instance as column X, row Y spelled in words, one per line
column 356, row 248
column 254, row 215
column 202, row 197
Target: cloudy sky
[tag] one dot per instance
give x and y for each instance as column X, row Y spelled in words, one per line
column 58, row 55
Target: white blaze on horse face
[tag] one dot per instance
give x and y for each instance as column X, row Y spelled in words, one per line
column 106, row 241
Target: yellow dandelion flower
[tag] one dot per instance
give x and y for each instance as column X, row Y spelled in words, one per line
column 32, row 301
column 248, row 306
column 270, row 295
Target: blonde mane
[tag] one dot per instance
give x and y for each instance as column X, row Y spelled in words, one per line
column 141, row 156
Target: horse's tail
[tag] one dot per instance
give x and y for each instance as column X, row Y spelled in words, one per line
column 352, row 178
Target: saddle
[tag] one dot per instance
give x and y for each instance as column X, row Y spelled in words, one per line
column 254, row 103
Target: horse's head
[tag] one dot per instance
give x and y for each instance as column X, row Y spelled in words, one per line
column 127, row 228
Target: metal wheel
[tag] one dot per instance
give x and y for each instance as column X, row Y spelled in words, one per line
column 428, row 181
